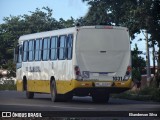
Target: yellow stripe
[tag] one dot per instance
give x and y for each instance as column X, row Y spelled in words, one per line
column 63, row 86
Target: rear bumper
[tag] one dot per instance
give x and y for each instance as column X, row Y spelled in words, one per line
column 92, row 84
column 89, row 91
column 83, row 88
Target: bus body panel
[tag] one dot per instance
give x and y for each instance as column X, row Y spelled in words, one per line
column 96, row 51
column 103, row 53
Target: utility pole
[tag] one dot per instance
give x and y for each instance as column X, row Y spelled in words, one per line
column 147, row 59
column 154, row 54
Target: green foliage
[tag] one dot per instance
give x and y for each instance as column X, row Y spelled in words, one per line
column 67, row 23
column 134, row 14
column 8, row 85
column 15, row 26
column 136, row 74
column 138, row 63
column 145, row 94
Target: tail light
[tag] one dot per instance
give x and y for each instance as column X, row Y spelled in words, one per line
column 77, row 73
column 128, row 73
column 103, row 27
column 77, row 70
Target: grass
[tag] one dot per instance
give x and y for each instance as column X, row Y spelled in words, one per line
column 145, row 94
column 8, row 85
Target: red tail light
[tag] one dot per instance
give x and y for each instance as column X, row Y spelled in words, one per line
column 77, row 73
column 77, row 70
column 128, row 70
column 128, row 73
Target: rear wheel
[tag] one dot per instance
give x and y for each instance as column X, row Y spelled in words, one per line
column 29, row 95
column 59, row 97
column 100, row 97
column 65, row 97
column 53, row 91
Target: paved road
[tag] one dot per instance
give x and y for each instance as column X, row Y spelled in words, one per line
column 16, row 101
column 13, row 100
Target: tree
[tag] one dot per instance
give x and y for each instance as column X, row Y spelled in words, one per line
column 15, row 26
column 138, row 63
column 68, row 23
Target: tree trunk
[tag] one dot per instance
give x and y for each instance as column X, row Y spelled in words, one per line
column 154, row 66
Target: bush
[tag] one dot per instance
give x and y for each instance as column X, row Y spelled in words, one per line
column 148, row 93
column 156, row 95
column 8, row 85
column 152, row 91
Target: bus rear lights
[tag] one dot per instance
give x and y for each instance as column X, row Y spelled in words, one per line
column 128, row 70
column 103, row 27
column 77, row 70
column 108, row 27
column 113, row 84
column 128, row 73
column 78, row 73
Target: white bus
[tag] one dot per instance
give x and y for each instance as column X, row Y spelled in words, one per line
column 79, row 61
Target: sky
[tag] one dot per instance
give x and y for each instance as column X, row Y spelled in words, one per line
column 61, row 9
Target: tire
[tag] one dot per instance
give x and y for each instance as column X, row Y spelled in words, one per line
column 65, row 97
column 59, row 97
column 29, row 95
column 53, row 91
column 100, row 97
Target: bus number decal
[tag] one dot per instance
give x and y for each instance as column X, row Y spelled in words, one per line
column 33, row 69
column 117, row 78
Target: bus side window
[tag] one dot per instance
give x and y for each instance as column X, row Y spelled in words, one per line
column 46, row 47
column 25, row 51
column 31, row 50
column 54, row 41
column 69, row 46
column 62, row 47
column 19, row 59
column 38, row 49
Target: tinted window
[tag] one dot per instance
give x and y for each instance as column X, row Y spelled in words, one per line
column 69, row 46
column 38, row 49
column 25, row 51
column 54, row 41
column 62, row 47
column 31, row 50
column 19, row 60
column 46, row 48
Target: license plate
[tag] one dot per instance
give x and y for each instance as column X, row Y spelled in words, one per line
column 103, row 84
column 95, row 74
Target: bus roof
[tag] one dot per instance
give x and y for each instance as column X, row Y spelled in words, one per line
column 64, row 31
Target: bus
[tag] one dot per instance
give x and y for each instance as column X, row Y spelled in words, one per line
column 78, row 61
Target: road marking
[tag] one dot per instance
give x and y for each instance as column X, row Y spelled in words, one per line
column 65, row 107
